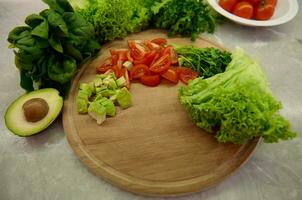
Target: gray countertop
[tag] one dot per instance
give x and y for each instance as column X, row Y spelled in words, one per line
column 45, row 167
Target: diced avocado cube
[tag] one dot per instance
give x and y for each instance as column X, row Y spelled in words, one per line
column 97, row 111
column 87, row 88
column 98, row 97
column 121, row 82
column 109, row 105
column 82, row 105
column 112, row 84
column 113, row 98
column 107, row 93
column 97, row 82
column 124, row 98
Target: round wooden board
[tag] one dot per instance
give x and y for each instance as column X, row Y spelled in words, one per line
column 151, row 148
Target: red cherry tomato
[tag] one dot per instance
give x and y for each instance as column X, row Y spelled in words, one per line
column 228, row 4
column 161, row 65
column 173, row 55
column 138, row 71
column 244, row 9
column 264, row 12
column 270, row 2
column 254, row 2
column 171, row 75
column 150, row 80
column 186, row 74
column 159, row 41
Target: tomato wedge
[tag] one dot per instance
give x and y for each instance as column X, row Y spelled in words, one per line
column 147, row 60
column 186, row 74
column 159, row 41
column 171, row 75
column 138, row 49
column 105, row 66
column 161, row 65
column 150, row 80
column 138, row 71
column 118, row 72
column 173, row 55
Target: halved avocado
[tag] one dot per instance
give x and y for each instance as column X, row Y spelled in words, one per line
column 33, row 112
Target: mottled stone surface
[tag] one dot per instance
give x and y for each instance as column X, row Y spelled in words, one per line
column 44, row 167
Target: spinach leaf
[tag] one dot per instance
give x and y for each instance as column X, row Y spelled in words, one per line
column 55, row 43
column 25, row 81
column 60, row 6
column 41, row 30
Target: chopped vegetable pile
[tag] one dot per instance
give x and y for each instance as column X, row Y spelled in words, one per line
column 51, row 46
column 148, row 62
column 98, row 97
column 206, row 61
column 237, row 102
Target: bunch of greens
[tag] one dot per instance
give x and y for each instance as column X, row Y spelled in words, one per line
column 114, row 19
column 206, row 61
column 238, row 102
column 51, row 46
column 188, row 18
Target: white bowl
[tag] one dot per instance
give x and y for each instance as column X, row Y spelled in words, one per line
column 284, row 12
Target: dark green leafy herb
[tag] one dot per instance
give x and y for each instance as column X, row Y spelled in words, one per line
column 206, row 61
column 49, row 49
column 185, row 17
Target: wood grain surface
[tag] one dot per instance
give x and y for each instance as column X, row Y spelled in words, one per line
column 152, row 148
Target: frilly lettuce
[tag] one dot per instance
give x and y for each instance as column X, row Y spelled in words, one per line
column 238, row 103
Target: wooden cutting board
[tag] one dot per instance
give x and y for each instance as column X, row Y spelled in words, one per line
column 151, row 148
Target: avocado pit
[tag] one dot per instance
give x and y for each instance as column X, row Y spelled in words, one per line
column 35, row 109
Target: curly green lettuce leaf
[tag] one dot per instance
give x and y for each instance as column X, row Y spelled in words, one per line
column 238, row 102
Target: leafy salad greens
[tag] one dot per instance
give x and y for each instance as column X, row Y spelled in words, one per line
column 51, row 46
column 237, row 102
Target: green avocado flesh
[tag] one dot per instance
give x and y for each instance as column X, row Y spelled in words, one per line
column 15, row 119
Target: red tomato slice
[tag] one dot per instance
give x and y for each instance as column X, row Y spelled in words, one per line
column 173, row 55
column 171, row 75
column 138, row 71
column 114, row 59
column 153, row 46
column 125, row 73
column 138, row 49
column 118, row 72
column 186, row 74
column 105, row 66
column 150, row 80
column 161, row 65
column 147, row 60
column 129, row 56
column 159, row 41
column 118, row 51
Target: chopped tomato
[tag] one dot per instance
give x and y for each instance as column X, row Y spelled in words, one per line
column 186, row 74
column 118, row 72
column 228, row 5
column 129, row 56
column 125, row 73
column 147, row 60
column 159, row 41
column 161, row 65
column 153, row 46
column 173, row 55
column 171, row 75
column 138, row 71
column 114, row 59
column 105, row 66
column 244, row 9
column 150, row 80
column 138, row 49
column 118, row 51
